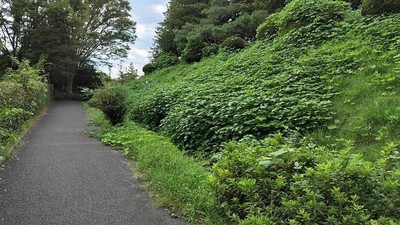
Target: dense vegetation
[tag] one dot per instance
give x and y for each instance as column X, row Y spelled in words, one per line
column 22, row 95
column 74, row 35
column 205, row 25
column 300, row 127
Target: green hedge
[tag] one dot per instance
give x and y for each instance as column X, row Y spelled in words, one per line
column 17, row 106
column 22, row 95
column 273, row 182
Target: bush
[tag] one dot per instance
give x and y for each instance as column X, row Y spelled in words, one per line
column 110, row 100
column 355, row 4
column 13, row 118
column 164, row 60
column 22, row 95
column 193, row 51
column 209, row 50
column 376, row 7
column 148, row 68
column 223, row 108
column 269, row 28
column 152, row 110
column 277, row 183
column 233, row 43
column 12, row 95
column 299, row 13
column 23, row 87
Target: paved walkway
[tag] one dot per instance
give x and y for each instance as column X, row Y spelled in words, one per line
column 61, row 176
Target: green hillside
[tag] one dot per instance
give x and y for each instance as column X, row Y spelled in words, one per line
column 311, row 113
column 327, row 81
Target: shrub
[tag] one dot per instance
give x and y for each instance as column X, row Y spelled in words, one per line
column 148, row 68
column 299, row 13
column 355, row 4
column 110, row 100
column 13, row 118
column 23, row 87
column 192, row 51
column 12, row 95
column 22, row 95
column 376, row 7
column 278, row 183
column 152, row 110
column 6, row 135
column 224, row 109
column 269, row 28
column 164, row 60
column 209, row 50
column 233, row 43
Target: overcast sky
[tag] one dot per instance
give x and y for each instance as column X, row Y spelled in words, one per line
column 147, row 14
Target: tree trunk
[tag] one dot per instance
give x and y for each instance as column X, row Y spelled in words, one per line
column 70, row 83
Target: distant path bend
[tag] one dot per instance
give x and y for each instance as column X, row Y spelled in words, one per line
column 61, row 176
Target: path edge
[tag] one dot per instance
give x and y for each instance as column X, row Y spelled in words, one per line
column 15, row 146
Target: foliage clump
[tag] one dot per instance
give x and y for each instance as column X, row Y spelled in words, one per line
column 209, row 50
column 23, row 93
column 233, row 43
column 164, row 60
column 148, row 68
column 376, row 7
column 355, row 4
column 110, row 99
column 274, row 182
column 152, row 110
column 193, row 51
column 299, row 13
column 302, row 13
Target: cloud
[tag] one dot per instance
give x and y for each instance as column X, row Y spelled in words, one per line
column 145, row 31
column 147, row 14
column 159, row 8
column 139, row 54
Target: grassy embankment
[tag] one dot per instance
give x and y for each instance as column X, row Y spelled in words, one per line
column 334, row 85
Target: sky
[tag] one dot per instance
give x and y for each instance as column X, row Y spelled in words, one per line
column 147, row 14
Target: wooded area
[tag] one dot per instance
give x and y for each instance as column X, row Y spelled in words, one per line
column 73, row 35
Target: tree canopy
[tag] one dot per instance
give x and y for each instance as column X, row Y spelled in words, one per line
column 210, row 21
column 72, row 33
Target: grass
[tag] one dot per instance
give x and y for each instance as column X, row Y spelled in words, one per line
column 8, row 149
column 178, row 181
column 97, row 117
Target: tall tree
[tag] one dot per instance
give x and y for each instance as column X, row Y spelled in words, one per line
column 210, row 21
column 73, row 33
column 179, row 13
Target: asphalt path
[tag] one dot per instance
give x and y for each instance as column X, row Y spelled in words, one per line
column 62, row 176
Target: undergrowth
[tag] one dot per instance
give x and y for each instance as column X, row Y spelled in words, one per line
column 179, row 181
column 332, row 84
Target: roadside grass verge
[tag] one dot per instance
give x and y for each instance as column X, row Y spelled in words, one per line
column 96, row 116
column 178, row 181
column 8, row 148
